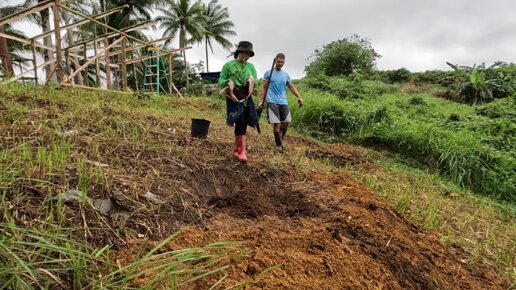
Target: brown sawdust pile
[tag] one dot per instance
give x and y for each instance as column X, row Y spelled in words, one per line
column 303, row 231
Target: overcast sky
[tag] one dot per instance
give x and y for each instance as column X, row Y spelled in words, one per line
column 418, row 35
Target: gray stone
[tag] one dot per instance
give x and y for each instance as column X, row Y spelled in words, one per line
column 153, row 198
column 103, row 205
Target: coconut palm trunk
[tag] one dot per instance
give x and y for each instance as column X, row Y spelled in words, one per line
column 47, row 41
column 69, row 38
column 207, row 66
column 5, row 55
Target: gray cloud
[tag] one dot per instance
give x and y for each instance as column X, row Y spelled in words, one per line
column 418, row 35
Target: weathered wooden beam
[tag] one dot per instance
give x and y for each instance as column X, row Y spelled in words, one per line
column 164, row 54
column 123, row 67
column 142, row 45
column 81, row 22
column 170, row 81
column 93, row 58
column 57, row 31
column 33, row 9
column 34, row 62
column 113, row 34
column 29, row 43
column 92, row 88
column 96, row 49
column 100, row 23
column 19, row 76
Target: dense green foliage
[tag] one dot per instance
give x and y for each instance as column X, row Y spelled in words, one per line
column 473, row 146
column 479, row 84
column 344, row 57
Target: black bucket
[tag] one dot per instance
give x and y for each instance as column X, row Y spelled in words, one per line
column 200, row 128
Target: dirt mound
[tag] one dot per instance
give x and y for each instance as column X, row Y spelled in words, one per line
column 352, row 240
column 311, row 231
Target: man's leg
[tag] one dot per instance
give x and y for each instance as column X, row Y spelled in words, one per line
column 274, row 116
column 284, row 128
column 278, row 136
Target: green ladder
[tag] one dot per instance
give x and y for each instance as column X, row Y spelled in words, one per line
column 155, row 73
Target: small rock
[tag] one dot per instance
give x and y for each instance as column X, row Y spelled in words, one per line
column 70, row 133
column 120, row 215
column 71, row 196
column 96, row 163
column 103, row 205
column 153, row 198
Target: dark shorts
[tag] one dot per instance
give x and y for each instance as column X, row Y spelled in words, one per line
column 278, row 113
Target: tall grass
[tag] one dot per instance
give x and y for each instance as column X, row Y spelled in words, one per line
column 40, row 245
column 50, row 258
column 465, row 146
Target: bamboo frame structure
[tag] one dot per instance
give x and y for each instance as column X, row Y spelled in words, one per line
column 65, row 57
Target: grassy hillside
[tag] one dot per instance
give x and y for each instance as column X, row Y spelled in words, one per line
column 95, row 187
column 473, row 146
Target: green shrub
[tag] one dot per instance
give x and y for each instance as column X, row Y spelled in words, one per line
column 344, row 57
column 473, row 150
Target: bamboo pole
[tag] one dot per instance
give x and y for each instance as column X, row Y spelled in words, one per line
column 34, row 62
column 28, row 42
column 145, row 57
column 81, row 22
column 123, row 68
column 113, row 34
column 170, row 81
column 20, row 14
column 142, row 45
column 93, row 88
column 107, row 67
column 86, row 76
column 94, row 58
column 59, row 57
column 96, row 48
column 25, row 72
column 106, row 26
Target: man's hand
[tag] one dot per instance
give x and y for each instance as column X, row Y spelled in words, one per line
column 261, row 105
column 300, row 102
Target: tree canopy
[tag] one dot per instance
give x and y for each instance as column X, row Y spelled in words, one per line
column 344, row 57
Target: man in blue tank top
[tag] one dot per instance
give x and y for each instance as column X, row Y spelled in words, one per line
column 278, row 112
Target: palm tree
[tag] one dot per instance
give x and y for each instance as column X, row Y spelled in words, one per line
column 8, row 46
column 5, row 55
column 216, row 27
column 183, row 17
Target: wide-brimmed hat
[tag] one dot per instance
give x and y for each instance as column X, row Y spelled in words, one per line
column 244, row 46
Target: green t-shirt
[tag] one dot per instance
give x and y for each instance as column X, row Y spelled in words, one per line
column 238, row 72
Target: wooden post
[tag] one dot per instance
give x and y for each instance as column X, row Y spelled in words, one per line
column 96, row 48
column 123, row 66
column 85, row 65
column 67, row 61
column 21, row 70
column 59, row 57
column 170, row 81
column 86, row 76
column 34, row 63
column 107, row 67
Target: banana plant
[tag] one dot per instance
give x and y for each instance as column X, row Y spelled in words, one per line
column 478, row 84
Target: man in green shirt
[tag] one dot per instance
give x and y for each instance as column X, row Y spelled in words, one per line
column 238, row 80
